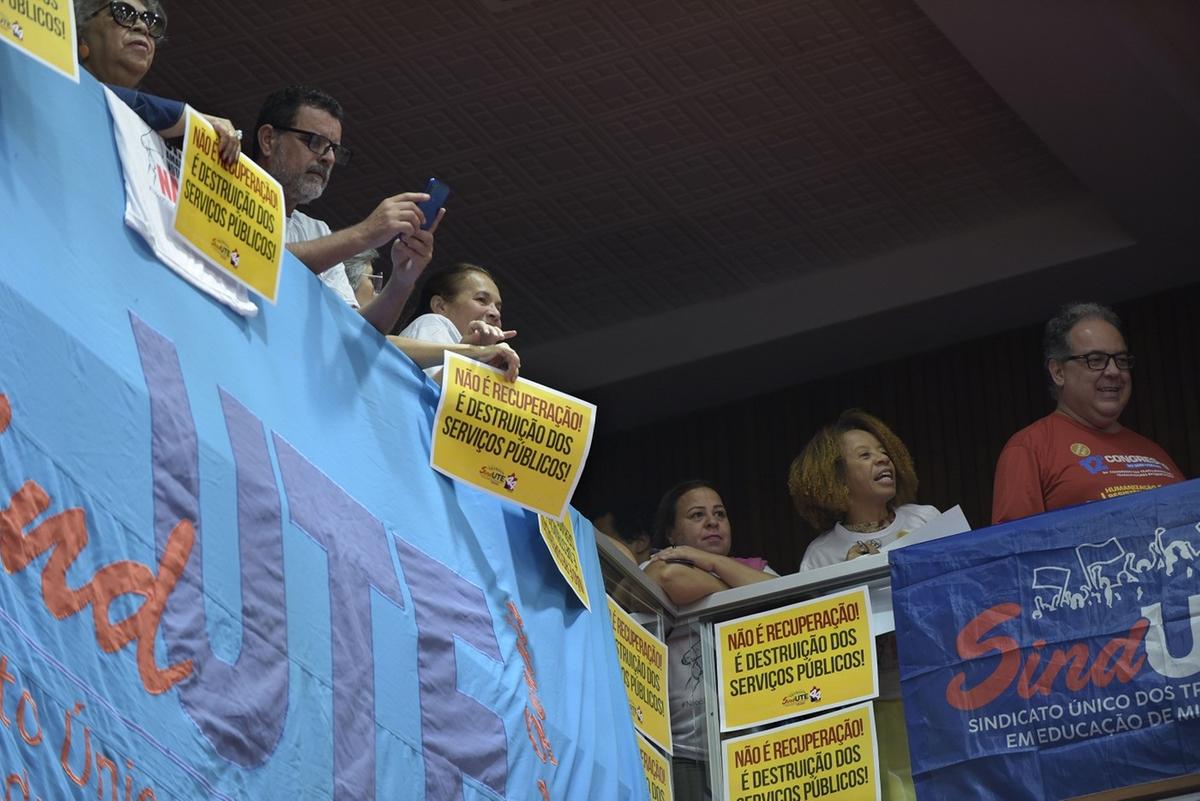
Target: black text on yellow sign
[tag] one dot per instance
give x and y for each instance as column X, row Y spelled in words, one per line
column 832, row 757
column 796, row 660
column 643, row 660
column 233, row 216
column 519, row 440
column 657, row 770
column 559, row 536
column 44, row 30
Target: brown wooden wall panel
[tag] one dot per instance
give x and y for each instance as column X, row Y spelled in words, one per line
column 954, row 408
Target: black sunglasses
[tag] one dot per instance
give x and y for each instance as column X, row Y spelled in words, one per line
column 127, row 16
column 320, row 144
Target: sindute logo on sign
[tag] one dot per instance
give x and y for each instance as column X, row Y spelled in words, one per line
column 800, row 697
column 494, row 475
column 223, row 249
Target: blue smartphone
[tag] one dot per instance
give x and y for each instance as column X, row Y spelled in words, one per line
column 438, row 192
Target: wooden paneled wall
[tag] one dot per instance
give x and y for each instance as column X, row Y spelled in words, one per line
column 954, row 408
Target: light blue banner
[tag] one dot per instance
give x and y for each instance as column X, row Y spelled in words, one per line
column 229, row 571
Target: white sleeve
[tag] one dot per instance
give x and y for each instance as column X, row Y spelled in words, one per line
column 433, row 328
column 818, row 553
column 335, row 278
column 302, row 228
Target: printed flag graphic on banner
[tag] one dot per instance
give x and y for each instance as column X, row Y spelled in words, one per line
column 1054, row 656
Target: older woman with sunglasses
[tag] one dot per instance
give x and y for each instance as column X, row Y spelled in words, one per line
column 117, row 42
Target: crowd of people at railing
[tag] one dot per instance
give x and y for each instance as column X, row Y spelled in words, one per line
column 854, row 483
column 297, row 139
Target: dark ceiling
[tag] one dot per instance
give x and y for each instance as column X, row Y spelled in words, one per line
column 669, row 183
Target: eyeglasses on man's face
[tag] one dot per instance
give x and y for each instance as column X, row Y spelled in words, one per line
column 127, row 16
column 320, row 144
column 1098, row 360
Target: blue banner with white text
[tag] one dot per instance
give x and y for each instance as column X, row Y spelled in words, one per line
column 229, row 571
column 1057, row 655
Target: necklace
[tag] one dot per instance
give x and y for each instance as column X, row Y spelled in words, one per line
column 869, row 528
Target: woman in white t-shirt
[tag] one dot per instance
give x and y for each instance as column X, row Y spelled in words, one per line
column 461, row 307
column 855, row 482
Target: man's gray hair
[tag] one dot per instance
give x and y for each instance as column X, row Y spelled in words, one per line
column 1054, row 339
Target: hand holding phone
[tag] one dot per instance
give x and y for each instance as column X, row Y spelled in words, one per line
column 438, row 192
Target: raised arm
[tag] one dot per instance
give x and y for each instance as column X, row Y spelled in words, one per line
column 396, row 216
column 410, row 256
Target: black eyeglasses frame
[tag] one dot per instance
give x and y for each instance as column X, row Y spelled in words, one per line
column 341, row 153
column 1123, row 360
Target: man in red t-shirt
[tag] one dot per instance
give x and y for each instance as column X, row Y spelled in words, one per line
column 1079, row 452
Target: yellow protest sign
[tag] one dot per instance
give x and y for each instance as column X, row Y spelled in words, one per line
column 232, row 216
column 796, row 660
column 657, row 769
column 521, row 441
column 560, row 539
column 643, row 660
column 44, row 30
column 831, row 757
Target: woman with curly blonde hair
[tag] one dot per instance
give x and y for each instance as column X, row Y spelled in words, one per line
column 855, row 482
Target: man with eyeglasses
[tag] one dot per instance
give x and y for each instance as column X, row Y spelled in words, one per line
column 298, row 140
column 1080, row 452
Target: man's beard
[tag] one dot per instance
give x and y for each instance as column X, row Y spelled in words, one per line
column 304, row 187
